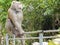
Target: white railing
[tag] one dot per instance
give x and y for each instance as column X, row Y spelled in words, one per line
column 41, row 37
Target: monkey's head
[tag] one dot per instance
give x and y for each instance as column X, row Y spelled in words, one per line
column 16, row 5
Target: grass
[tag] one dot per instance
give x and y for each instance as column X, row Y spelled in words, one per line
column 52, row 43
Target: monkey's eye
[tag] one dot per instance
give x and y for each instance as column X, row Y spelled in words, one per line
column 19, row 8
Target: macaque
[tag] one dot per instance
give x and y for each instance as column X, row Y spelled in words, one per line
column 14, row 20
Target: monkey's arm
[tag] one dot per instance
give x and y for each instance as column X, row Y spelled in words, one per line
column 14, row 19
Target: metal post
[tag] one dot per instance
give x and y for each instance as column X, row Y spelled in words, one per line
column 14, row 40
column 41, row 38
column 7, row 40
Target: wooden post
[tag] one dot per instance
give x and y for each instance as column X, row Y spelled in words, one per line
column 0, row 34
column 14, row 40
column 0, row 38
column 2, row 41
column 41, row 38
column 7, row 40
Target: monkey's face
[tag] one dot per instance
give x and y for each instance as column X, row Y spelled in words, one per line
column 17, row 5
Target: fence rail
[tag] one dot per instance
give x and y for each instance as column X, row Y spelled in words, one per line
column 39, row 31
column 35, row 37
column 41, row 37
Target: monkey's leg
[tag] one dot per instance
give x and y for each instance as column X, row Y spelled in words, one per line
column 23, row 40
column 9, row 27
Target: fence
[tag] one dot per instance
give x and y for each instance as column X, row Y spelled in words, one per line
column 41, row 37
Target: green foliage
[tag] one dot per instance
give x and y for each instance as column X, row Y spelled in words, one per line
column 38, row 14
column 47, row 22
column 4, row 5
column 52, row 43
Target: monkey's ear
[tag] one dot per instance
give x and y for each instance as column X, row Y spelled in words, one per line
column 13, row 2
column 13, row 5
column 21, row 6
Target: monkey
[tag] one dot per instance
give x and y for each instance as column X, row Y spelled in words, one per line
column 14, row 21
